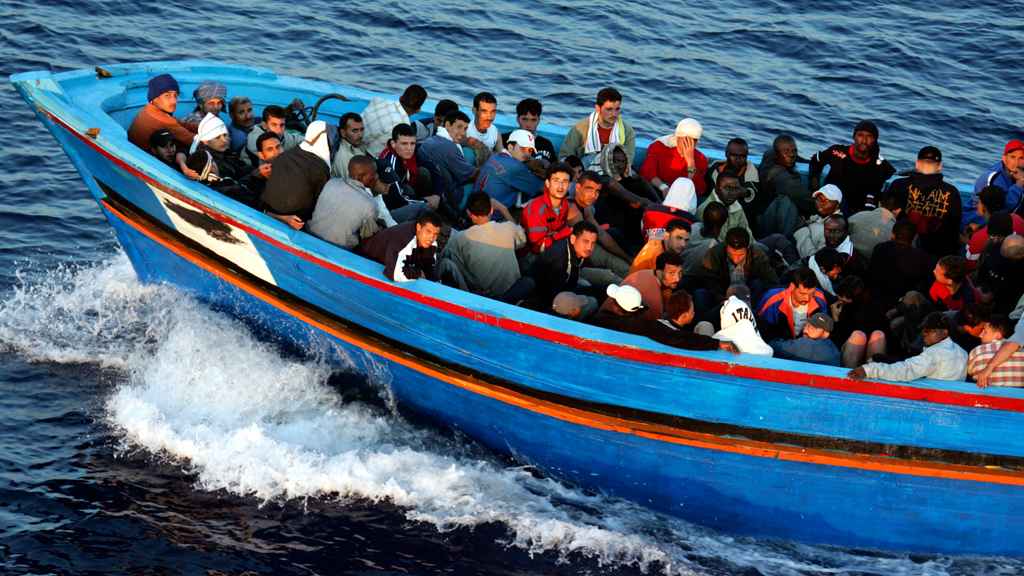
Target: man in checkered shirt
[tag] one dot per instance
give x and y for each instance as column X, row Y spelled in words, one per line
column 998, row 333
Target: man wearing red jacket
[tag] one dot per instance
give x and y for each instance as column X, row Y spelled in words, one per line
column 546, row 217
column 676, row 156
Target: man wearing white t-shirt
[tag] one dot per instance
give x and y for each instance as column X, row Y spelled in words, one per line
column 482, row 135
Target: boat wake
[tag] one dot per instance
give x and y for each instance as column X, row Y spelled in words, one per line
column 201, row 390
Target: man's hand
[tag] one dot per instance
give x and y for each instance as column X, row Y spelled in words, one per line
column 295, row 106
column 263, row 171
column 293, row 221
column 983, row 377
column 858, row 373
column 730, row 346
column 686, row 146
column 433, row 201
column 835, row 310
column 640, row 204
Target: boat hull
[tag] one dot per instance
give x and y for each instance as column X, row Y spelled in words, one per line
column 742, row 447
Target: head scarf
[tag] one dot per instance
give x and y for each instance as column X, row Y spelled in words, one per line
column 317, row 141
column 210, row 128
column 682, row 195
column 604, row 161
column 208, row 90
column 206, row 175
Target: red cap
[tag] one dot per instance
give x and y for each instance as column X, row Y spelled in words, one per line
column 1013, row 145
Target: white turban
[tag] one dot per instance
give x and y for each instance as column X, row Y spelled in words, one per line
column 209, row 128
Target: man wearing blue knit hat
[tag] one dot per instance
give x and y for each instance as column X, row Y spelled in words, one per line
column 159, row 114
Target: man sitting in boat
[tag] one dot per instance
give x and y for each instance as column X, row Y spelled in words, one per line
column 487, row 249
column 857, row 169
column 240, row 111
column 608, row 254
column 568, row 305
column 351, row 132
column 346, row 211
column 827, row 265
column 273, row 121
column 738, row 324
column 680, row 203
column 782, row 312
column 482, row 136
column 813, row 346
column 861, row 326
column 676, row 156
column 557, row 270
column 408, row 250
column 869, row 229
column 298, row 177
column 625, row 314
column 737, row 160
column 546, row 217
column 604, row 126
column 382, row 114
column 991, row 201
column 897, row 267
column 941, row 359
column 727, row 191
column 427, row 127
column 163, row 147
column 209, row 97
column 528, row 113
column 202, row 163
column 269, row 145
column 213, row 136
column 507, row 177
column 655, row 285
column 626, row 193
column 735, row 261
column 443, row 150
column 934, row 205
column 159, row 113
column 782, row 188
column 417, row 190
column 676, row 236
column 1009, row 372
column 810, row 237
column 703, row 237
column 1008, row 174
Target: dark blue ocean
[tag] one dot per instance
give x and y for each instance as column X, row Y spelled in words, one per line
column 142, row 432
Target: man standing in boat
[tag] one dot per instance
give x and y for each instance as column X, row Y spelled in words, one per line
column 604, row 126
column 159, row 113
column 857, row 169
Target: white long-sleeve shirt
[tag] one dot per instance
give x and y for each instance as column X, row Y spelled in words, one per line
column 943, row 361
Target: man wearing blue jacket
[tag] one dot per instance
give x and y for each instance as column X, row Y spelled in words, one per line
column 1008, row 174
column 814, row 347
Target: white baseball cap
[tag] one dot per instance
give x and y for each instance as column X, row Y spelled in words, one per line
column 627, row 297
column 830, row 191
column 524, row 138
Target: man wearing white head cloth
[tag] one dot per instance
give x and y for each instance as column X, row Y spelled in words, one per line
column 213, row 137
column 210, row 97
column 676, row 156
column 298, row 177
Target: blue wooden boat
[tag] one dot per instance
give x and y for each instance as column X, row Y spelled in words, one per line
column 745, row 445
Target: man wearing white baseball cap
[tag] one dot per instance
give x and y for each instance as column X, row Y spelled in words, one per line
column 625, row 316
column 810, row 237
column 676, row 156
column 507, row 177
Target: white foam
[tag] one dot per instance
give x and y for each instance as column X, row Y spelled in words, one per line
column 201, row 390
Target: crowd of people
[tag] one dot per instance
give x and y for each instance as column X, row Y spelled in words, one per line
column 895, row 279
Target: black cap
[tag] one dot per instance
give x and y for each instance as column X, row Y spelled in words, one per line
column 937, row 321
column 930, row 153
column 160, row 138
column 866, row 126
column 385, row 172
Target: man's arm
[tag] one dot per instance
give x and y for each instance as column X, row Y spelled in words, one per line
column 572, row 145
column 1002, row 355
